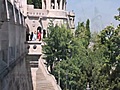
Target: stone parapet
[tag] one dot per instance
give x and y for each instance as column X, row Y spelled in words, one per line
column 34, row 47
column 57, row 14
column 37, row 13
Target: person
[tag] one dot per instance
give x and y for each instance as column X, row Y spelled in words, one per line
column 31, row 36
column 39, row 35
column 34, row 36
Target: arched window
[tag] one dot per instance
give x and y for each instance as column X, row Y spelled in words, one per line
column 58, row 2
column 44, row 33
column 52, row 4
column 27, row 32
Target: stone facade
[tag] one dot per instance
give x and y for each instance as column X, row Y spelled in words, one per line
column 54, row 10
column 42, row 79
column 16, row 55
column 14, row 69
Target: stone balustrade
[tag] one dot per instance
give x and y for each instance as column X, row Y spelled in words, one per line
column 60, row 14
column 57, row 14
column 37, row 12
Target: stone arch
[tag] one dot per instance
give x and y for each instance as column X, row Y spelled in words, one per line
column 39, row 29
column 27, row 32
column 52, row 4
column 63, row 4
column 39, row 32
column 44, row 33
column 58, row 3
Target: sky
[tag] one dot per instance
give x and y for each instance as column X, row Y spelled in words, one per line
column 100, row 12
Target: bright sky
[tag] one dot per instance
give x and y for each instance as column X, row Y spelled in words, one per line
column 100, row 12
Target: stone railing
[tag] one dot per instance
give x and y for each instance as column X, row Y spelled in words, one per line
column 57, row 14
column 37, row 13
column 47, row 13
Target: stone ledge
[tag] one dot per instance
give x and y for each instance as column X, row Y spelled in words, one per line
column 33, row 42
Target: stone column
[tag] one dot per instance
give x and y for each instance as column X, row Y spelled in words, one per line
column 42, row 4
column 48, row 4
column 61, row 4
column 6, row 4
column 56, row 6
column 64, row 5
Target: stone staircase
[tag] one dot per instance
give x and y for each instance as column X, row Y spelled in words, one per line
column 44, row 80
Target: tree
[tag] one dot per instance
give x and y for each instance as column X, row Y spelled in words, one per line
column 118, row 17
column 57, row 45
column 109, row 40
column 83, row 33
column 84, row 65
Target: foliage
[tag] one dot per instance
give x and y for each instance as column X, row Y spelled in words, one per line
column 83, row 33
column 36, row 3
column 57, row 44
column 109, row 40
column 118, row 16
column 76, row 64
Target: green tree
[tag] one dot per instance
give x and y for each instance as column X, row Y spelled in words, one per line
column 83, row 33
column 84, row 65
column 118, row 16
column 109, row 41
column 57, row 45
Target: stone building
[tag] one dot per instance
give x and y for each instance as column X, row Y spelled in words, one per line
column 54, row 10
column 14, row 69
column 21, row 63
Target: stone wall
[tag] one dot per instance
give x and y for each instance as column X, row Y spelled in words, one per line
column 18, row 78
column 14, row 69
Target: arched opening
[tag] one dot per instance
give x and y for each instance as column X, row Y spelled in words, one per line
column 39, row 29
column 52, row 4
column 27, row 32
column 63, row 5
column 58, row 3
column 39, row 33
column 44, row 33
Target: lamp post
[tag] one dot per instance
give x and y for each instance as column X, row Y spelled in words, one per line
column 88, row 87
column 59, row 73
